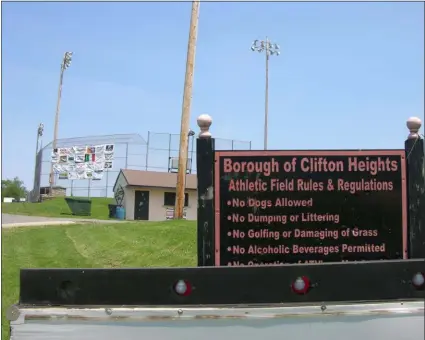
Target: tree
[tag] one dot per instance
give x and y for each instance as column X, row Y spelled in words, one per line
column 13, row 188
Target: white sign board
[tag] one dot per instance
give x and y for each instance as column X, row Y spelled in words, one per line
column 83, row 162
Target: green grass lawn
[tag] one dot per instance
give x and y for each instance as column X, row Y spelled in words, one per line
column 145, row 244
column 57, row 207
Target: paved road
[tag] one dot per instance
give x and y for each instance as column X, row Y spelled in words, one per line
column 9, row 220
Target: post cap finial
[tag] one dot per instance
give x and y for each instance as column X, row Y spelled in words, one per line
column 204, row 122
column 413, row 124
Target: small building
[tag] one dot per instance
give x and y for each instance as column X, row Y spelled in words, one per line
column 151, row 195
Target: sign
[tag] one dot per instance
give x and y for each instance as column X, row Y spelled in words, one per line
column 278, row 207
column 82, row 162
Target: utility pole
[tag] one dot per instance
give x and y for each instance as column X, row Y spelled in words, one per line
column 269, row 49
column 187, row 99
column 66, row 62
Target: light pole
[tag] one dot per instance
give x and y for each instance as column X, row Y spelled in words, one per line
column 40, row 131
column 66, row 62
column 269, row 49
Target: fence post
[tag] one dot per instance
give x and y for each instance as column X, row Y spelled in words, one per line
column 107, row 181
column 169, row 151
column 191, row 155
column 414, row 147
column 126, row 158
column 205, row 173
column 147, row 151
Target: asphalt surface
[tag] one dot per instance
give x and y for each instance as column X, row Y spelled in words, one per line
column 9, row 220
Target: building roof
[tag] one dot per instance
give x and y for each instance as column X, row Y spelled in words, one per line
column 156, row 179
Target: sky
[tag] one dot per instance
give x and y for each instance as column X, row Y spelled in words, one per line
column 348, row 76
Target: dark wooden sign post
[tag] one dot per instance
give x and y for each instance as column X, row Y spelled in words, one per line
column 284, row 207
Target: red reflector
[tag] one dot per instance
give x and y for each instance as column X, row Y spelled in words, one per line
column 183, row 288
column 418, row 280
column 301, row 285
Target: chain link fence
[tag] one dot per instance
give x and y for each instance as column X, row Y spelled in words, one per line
column 129, row 152
column 158, row 153
column 163, row 150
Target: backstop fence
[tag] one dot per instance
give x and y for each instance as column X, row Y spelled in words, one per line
column 131, row 151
